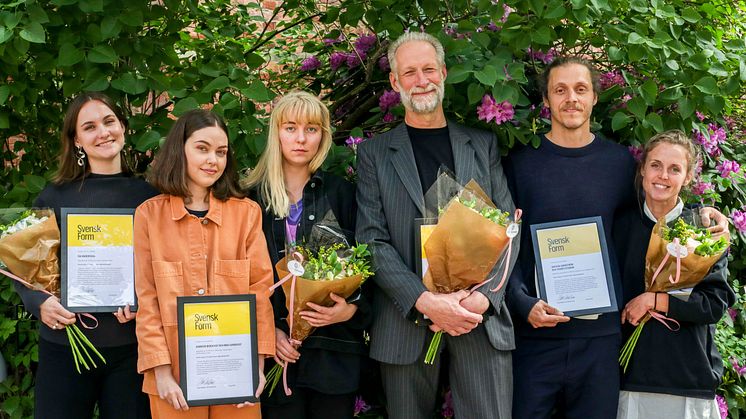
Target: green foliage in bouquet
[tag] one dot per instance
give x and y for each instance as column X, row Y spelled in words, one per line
column 705, row 245
column 335, row 262
column 492, row 214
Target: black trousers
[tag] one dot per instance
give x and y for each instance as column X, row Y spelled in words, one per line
column 306, row 403
column 62, row 393
column 566, row 378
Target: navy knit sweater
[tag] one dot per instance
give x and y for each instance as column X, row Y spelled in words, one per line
column 685, row 362
column 553, row 183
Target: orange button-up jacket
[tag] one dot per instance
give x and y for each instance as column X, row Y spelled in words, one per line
column 178, row 254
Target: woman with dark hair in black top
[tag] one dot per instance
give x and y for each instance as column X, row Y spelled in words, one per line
column 91, row 174
column 672, row 373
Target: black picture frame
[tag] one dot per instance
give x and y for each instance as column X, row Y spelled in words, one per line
column 540, row 276
column 65, row 260
column 181, row 302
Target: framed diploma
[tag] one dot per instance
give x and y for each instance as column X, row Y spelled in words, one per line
column 218, row 360
column 572, row 266
column 98, row 259
column 423, row 227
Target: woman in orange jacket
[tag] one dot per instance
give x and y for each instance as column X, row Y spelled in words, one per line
column 200, row 237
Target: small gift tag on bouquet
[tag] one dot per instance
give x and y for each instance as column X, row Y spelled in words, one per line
column 512, row 230
column 677, row 250
column 296, row 268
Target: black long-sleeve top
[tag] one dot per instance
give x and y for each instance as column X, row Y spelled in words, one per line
column 684, row 362
column 331, row 356
column 94, row 191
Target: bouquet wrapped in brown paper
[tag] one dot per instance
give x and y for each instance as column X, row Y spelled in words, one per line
column 679, row 256
column 310, row 273
column 29, row 241
column 469, row 239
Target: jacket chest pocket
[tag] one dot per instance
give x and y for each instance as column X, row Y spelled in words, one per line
column 231, row 276
column 169, row 284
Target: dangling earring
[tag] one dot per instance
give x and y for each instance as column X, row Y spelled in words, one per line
column 81, row 156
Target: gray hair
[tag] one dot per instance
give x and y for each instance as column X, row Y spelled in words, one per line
column 415, row 36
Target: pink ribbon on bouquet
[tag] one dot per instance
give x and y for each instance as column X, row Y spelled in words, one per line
column 665, row 259
column 293, row 278
column 29, row 285
column 516, row 218
column 664, row 320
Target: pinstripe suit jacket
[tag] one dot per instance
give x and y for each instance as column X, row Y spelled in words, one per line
column 389, row 198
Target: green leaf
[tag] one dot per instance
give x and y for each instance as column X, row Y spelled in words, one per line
column 458, row 73
column 218, row 83
column 132, row 18
column 620, row 120
column 649, row 91
column 148, row 141
column 742, row 69
column 4, row 120
column 635, row 39
column 474, row 93
column 129, row 84
column 91, row 6
column 542, row 35
column 258, row 92
column 5, row 34
column 34, row 33
column 556, row 13
column 707, row 85
column 186, row 104
column 34, row 184
column 686, row 108
column 690, row 15
column 4, row 93
column 110, row 27
column 102, row 54
column 637, row 106
column 430, row 7
column 487, row 76
column 69, row 55
column 714, row 104
column 655, row 121
column 672, row 64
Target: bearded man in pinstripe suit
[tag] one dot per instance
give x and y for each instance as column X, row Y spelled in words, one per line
column 393, row 171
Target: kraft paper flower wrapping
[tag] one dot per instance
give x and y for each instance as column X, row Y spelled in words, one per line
column 693, row 267
column 32, row 253
column 464, row 247
column 317, row 292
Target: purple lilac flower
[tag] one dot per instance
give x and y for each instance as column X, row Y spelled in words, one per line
column 492, row 27
column 545, row 112
column 711, row 145
column 352, row 142
column 722, row 405
column 728, row 167
column 739, row 220
column 447, row 407
column 360, row 405
column 351, row 173
column 611, row 79
column 545, row 57
column 364, row 43
column 332, row 41
column 700, row 188
column 311, row 63
column 388, row 100
column 506, row 12
column 700, row 116
column 491, row 110
column 730, row 123
column 636, row 152
column 353, row 60
column 383, row 64
column 389, row 117
column 740, row 370
column 337, row 59
column 733, row 313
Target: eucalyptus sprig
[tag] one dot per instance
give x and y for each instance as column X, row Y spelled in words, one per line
column 701, row 238
column 493, row 214
column 336, row 262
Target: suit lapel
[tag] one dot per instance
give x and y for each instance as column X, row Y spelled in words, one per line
column 403, row 160
column 463, row 153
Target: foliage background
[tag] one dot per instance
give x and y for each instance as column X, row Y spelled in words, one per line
column 667, row 64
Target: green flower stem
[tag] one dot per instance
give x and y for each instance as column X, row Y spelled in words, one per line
column 77, row 355
column 432, row 350
column 273, row 377
column 84, row 340
column 72, row 346
column 79, row 345
column 629, row 346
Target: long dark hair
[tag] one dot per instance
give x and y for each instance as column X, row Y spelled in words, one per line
column 169, row 171
column 68, row 169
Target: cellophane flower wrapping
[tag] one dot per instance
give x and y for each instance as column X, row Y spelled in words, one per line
column 330, row 265
column 468, row 240
column 703, row 253
column 29, row 243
